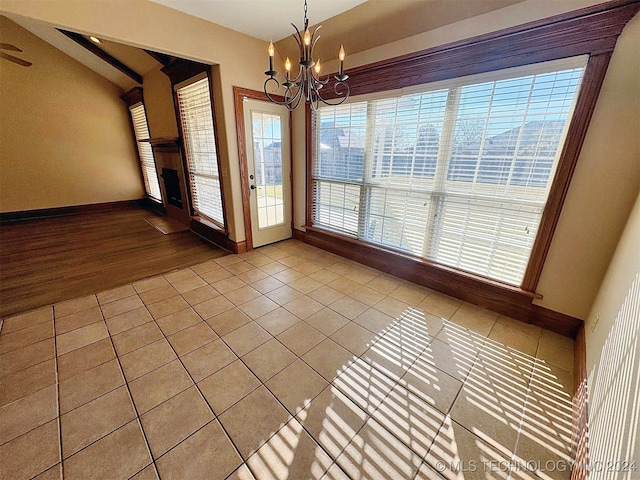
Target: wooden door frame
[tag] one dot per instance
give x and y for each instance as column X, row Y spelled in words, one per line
column 239, row 94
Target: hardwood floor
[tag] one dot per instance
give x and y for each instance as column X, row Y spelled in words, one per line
column 50, row 260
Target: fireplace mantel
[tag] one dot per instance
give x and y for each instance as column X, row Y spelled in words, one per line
column 163, row 141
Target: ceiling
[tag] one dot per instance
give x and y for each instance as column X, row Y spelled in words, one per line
column 267, row 20
column 134, row 58
column 358, row 24
column 378, row 22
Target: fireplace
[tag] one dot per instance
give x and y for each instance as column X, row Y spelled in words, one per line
column 169, row 164
column 172, row 186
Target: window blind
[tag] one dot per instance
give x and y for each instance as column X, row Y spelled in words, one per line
column 196, row 117
column 148, row 164
column 458, row 174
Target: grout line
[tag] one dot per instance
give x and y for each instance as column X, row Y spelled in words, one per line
column 330, row 384
column 55, row 356
column 292, row 416
column 77, row 311
column 133, row 404
column 78, row 328
column 4, row 319
column 30, row 366
column 195, row 384
column 99, row 396
column 93, row 442
column 524, row 410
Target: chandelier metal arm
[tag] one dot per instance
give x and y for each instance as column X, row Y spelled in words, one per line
column 298, row 37
column 314, row 39
column 307, row 82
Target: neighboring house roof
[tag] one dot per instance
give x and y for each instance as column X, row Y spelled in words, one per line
column 538, row 137
column 350, row 140
column 341, row 138
column 527, row 141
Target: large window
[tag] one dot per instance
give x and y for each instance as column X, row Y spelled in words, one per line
column 197, row 122
column 147, row 162
column 456, row 172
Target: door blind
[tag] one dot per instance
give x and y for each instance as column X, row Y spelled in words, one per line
column 457, row 174
column 148, row 164
column 196, row 117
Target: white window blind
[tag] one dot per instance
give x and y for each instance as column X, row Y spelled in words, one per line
column 148, row 164
column 456, row 173
column 196, row 116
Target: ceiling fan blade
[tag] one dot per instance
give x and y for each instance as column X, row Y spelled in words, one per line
column 8, row 46
column 17, row 60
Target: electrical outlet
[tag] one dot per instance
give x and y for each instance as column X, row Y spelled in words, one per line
column 593, row 327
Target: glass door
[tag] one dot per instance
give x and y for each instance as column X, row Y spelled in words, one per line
column 269, row 167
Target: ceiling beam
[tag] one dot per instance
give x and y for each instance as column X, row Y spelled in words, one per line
column 114, row 62
column 160, row 57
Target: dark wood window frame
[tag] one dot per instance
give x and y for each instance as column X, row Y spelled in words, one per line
column 178, row 71
column 133, row 97
column 591, row 31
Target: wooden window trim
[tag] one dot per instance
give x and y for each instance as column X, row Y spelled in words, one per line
column 591, row 83
column 591, row 31
column 239, row 93
column 133, row 96
column 588, row 31
column 179, row 71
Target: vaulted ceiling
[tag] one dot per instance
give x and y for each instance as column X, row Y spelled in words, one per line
column 358, row 24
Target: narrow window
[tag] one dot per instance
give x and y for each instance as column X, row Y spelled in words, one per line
column 147, row 162
column 197, row 122
column 456, row 172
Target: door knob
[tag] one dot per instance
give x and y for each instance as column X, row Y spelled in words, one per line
column 253, row 187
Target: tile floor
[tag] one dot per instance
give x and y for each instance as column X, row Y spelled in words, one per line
column 286, row 362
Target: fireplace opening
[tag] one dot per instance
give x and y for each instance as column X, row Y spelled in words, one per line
column 172, row 187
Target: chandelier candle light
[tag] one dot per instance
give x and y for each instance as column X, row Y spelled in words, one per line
column 307, row 83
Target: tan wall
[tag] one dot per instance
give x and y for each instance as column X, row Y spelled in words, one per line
column 613, row 355
column 65, row 137
column 158, row 103
column 603, row 190
column 149, row 25
column 606, row 180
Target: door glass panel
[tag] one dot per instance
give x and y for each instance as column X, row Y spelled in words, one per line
column 267, row 154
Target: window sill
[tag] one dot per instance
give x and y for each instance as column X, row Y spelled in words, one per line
column 209, row 224
column 475, row 289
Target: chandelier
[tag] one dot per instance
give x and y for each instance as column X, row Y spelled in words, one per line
column 307, row 83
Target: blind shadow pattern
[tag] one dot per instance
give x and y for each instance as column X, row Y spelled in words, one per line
column 614, row 395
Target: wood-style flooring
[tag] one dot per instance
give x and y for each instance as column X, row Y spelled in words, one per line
column 49, row 260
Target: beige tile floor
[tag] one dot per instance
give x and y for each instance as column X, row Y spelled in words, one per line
column 286, row 362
